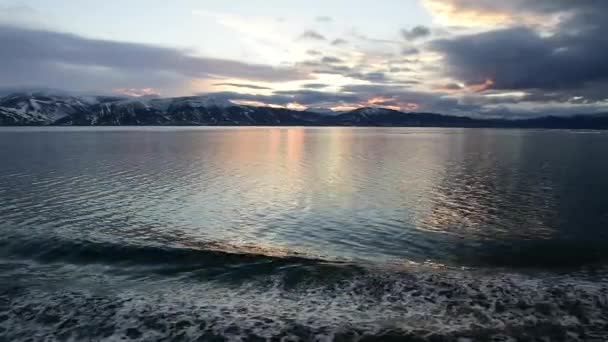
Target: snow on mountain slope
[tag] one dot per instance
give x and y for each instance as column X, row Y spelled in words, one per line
column 370, row 111
column 320, row 110
column 45, row 108
column 165, row 103
column 41, row 108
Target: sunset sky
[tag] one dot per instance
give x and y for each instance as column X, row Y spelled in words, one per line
column 474, row 57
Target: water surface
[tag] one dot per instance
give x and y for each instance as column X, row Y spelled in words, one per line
column 356, row 232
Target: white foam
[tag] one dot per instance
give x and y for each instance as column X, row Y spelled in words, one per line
column 441, row 302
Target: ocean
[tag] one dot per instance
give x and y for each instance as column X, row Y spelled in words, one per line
column 309, row 234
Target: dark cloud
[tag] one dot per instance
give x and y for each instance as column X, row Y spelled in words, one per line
column 354, row 95
column 315, row 85
column 37, row 57
column 521, row 7
column 312, row 35
column 242, row 85
column 369, row 76
column 570, row 62
column 341, row 68
column 520, row 58
column 326, row 65
column 416, row 32
column 331, row 60
column 409, row 50
column 314, row 52
column 331, row 65
column 452, row 86
column 410, row 100
column 339, row 41
column 324, row 19
column 313, row 64
column 332, row 70
column 399, row 96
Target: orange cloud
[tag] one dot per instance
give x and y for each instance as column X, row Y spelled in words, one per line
column 451, row 13
column 481, row 13
column 377, row 100
column 389, row 103
column 457, row 88
column 409, row 106
column 476, row 88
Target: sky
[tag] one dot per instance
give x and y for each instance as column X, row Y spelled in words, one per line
column 486, row 58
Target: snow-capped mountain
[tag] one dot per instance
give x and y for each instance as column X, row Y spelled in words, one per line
column 321, row 110
column 44, row 108
column 40, row 108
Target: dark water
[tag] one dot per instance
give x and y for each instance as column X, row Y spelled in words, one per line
column 303, row 233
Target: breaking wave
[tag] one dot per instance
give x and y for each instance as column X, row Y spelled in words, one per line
column 216, row 292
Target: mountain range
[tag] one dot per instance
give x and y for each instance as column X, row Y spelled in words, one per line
column 40, row 108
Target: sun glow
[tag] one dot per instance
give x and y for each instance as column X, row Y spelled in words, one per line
column 295, row 106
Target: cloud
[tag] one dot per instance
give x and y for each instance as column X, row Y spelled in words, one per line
column 303, row 97
column 521, row 53
column 135, row 92
column 332, row 70
column 451, row 86
column 312, row 35
column 351, row 96
column 367, row 39
column 315, row 85
column 331, row 60
column 398, row 97
column 326, row 65
column 520, row 58
column 491, row 13
column 369, row 76
column 313, row 97
column 567, row 62
column 416, row 32
column 512, row 7
column 398, row 69
column 409, row 50
column 39, row 57
column 279, row 100
column 323, row 19
column 21, row 15
column 339, row 41
column 363, row 71
column 241, row 85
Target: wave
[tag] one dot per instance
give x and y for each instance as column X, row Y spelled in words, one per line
column 378, row 305
column 183, row 255
column 193, row 257
column 274, row 294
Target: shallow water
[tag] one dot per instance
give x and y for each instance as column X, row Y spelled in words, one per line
column 311, row 233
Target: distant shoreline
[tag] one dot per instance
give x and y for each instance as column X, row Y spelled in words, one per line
column 61, row 110
column 602, row 128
